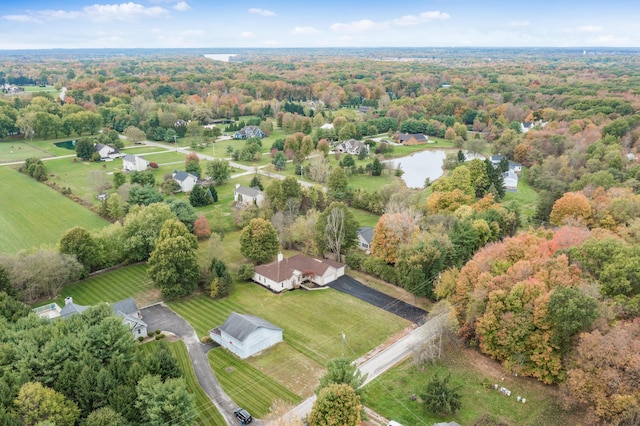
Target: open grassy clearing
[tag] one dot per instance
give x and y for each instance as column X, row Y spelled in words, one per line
column 83, row 177
column 142, row 149
column 119, row 284
column 20, row 151
column 33, row 215
column 527, row 198
column 390, row 394
column 36, row 88
column 364, row 218
column 247, row 386
column 207, row 414
column 300, row 314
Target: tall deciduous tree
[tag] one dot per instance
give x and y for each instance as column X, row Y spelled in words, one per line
column 259, row 241
column 391, row 232
column 173, row 264
column 219, row 170
column 165, row 402
column 84, row 148
column 134, row 134
column 201, row 227
column 338, row 185
column 79, row 242
column 336, row 405
column 36, row 403
column 336, row 229
column 141, row 229
column 572, row 205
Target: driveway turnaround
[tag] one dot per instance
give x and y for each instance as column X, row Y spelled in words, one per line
column 349, row 285
column 160, row 317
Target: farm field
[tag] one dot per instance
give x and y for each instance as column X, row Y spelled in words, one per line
column 391, row 394
column 247, row 386
column 12, row 151
column 207, row 414
column 32, row 214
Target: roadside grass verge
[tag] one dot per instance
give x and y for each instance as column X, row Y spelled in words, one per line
column 34, row 215
column 247, row 386
column 396, row 394
column 207, row 414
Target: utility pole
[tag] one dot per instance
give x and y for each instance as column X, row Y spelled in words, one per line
column 343, row 337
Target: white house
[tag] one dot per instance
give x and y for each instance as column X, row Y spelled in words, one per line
column 247, row 196
column 327, row 126
column 525, row 126
column 134, row 163
column 287, row 274
column 365, row 236
column 186, row 180
column 126, row 309
column 246, row 335
column 510, row 181
column 352, row 146
column 107, row 153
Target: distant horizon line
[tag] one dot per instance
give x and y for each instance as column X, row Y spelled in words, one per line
column 322, row 47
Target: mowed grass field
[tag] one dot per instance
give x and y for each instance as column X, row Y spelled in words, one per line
column 130, row 281
column 207, row 414
column 33, row 215
column 247, row 386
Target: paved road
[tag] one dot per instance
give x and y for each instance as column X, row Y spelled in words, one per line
column 160, row 317
column 350, row 285
column 385, row 359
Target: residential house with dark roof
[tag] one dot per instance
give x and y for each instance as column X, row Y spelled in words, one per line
column 186, row 180
column 245, row 196
column 245, row 335
column 365, row 236
column 107, row 153
column 411, row 138
column 365, row 109
column 249, row 132
column 287, row 274
column 352, row 146
column 71, row 308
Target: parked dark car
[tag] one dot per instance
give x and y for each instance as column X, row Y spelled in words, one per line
column 243, row 415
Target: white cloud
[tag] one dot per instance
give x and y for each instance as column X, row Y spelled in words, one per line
column 304, row 31
column 122, row 12
column 182, row 6
column 410, row 20
column 271, row 43
column 519, row 23
column 355, row 26
column 589, row 29
column 246, row 34
column 21, row 18
column 262, row 12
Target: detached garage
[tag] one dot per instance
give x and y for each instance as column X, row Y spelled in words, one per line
column 246, row 335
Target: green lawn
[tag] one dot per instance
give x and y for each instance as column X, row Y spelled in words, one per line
column 526, row 197
column 391, row 394
column 247, row 386
column 302, row 316
column 20, row 151
column 130, row 281
column 83, row 177
column 33, row 215
column 365, row 218
column 207, row 414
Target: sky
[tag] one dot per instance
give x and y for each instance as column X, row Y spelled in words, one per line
column 46, row 24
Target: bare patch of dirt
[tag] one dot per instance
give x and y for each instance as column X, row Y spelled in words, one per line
column 148, row 297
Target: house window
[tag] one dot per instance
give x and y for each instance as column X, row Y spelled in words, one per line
column 139, row 331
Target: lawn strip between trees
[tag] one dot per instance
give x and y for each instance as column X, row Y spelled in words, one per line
column 207, row 414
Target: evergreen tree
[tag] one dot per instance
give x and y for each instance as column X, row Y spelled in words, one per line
column 440, row 398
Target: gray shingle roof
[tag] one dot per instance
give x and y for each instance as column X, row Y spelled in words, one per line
column 182, row 176
column 72, row 309
column 241, row 326
column 367, row 233
column 126, row 306
column 250, row 192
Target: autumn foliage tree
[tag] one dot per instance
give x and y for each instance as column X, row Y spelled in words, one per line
column 201, row 227
column 572, row 205
column 337, row 404
column 391, row 232
column 604, row 372
column 259, row 241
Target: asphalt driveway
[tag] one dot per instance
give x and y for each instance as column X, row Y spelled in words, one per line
column 160, row 317
column 355, row 288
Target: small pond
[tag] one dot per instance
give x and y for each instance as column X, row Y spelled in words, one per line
column 66, row 145
column 421, row 165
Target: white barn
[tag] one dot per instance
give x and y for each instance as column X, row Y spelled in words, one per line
column 287, row 274
column 245, row 335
